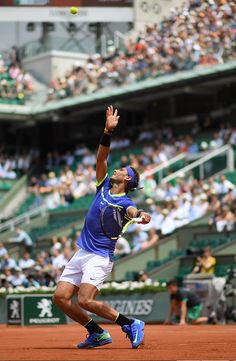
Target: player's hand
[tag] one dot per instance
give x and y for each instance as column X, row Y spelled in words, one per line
column 145, row 218
column 112, row 118
column 182, row 323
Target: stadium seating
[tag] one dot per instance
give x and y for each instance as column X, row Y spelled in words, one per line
column 159, row 49
column 5, row 185
column 195, row 246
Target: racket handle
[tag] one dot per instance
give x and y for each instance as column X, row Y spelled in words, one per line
column 138, row 220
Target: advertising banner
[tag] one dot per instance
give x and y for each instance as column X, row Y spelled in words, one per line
column 149, row 307
column 39, row 310
column 28, row 310
column 63, row 3
column 14, row 310
column 46, row 13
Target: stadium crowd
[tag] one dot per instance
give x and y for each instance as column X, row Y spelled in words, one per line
column 74, row 175
column 36, row 269
column 15, row 163
column 16, row 84
column 198, row 34
column 70, row 176
column 190, row 199
column 182, row 203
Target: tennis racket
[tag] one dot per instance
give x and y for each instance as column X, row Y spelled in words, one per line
column 114, row 222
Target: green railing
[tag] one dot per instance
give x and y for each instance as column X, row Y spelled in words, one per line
column 8, row 198
column 216, row 161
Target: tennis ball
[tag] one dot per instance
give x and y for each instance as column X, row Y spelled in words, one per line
column 73, row 10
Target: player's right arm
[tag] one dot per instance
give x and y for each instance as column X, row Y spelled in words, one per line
column 112, row 119
column 18, row 239
column 170, row 313
column 183, row 312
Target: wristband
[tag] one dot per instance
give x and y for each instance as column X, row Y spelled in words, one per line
column 139, row 212
column 107, row 131
column 105, row 140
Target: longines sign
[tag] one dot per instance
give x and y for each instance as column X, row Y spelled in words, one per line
column 150, row 307
column 62, row 14
column 133, row 307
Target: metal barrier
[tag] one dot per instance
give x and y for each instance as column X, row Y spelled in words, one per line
column 159, row 168
column 229, row 164
column 9, row 196
column 24, row 218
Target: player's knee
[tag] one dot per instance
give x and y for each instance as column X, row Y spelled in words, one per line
column 85, row 303
column 59, row 299
column 55, row 299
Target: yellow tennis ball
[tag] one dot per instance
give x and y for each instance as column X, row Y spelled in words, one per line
column 73, row 10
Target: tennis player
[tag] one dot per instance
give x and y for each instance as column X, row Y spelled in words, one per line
column 88, row 268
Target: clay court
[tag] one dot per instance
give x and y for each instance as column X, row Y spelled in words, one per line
column 161, row 343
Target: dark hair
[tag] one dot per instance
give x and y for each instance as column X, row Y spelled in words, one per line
column 136, row 181
column 172, row 283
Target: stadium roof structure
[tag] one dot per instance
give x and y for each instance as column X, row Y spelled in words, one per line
column 137, row 93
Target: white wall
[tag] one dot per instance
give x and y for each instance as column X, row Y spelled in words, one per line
column 50, row 65
column 152, row 11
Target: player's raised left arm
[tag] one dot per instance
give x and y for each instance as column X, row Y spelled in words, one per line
column 112, row 119
column 136, row 213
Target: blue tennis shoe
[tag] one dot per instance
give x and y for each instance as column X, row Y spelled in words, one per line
column 135, row 332
column 96, row 340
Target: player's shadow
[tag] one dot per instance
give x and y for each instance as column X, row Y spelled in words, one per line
column 75, row 349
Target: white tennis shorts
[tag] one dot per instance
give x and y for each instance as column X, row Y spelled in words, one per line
column 85, row 267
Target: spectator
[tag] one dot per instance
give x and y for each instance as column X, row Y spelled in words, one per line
column 13, row 165
column 167, row 224
column 18, row 278
column 48, row 280
column 3, row 250
column 143, row 277
column 3, row 282
column 149, row 185
column 122, row 247
column 8, row 274
column 192, row 147
column 185, row 305
column 139, row 238
column 16, row 84
column 30, row 281
column 224, row 219
column 7, row 262
column 206, row 263
column 217, row 142
column 58, row 259
column 26, row 261
column 152, row 239
column 65, row 242
column 223, row 186
column 24, row 238
column 56, row 245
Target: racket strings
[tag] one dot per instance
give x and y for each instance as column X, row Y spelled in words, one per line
column 113, row 222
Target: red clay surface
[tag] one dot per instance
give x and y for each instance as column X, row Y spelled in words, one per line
column 161, row 343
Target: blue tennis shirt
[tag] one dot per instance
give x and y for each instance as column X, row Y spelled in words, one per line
column 92, row 238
